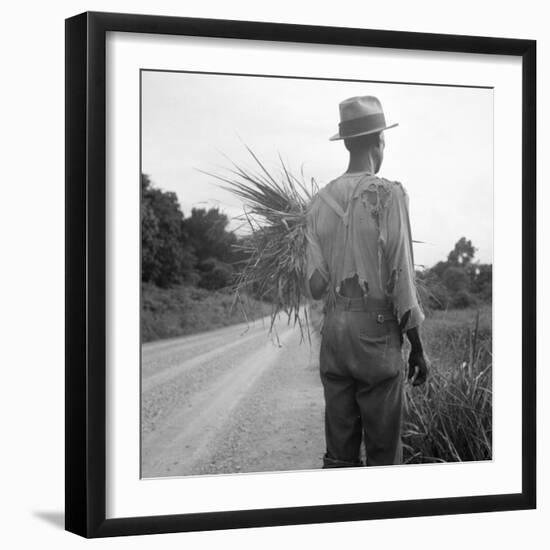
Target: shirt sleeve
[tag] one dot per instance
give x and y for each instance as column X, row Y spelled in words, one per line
column 314, row 255
column 398, row 250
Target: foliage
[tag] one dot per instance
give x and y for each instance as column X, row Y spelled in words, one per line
column 482, row 282
column 167, row 256
column 215, row 274
column 450, row 417
column 197, row 250
column 183, row 309
column 455, row 279
column 462, row 254
column 208, row 235
column 432, row 292
column 458, row 282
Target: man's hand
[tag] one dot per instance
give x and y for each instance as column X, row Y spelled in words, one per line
column 418, row 367
column 418, row 364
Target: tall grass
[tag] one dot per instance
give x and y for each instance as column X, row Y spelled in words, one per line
column 450, row 418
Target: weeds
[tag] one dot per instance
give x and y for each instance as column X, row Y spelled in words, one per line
column 450, row 417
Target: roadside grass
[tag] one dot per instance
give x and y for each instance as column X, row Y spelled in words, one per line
column 183, row 310
column 449, row 418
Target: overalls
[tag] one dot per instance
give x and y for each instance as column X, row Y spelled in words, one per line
column 361, row 365
column 361, row 370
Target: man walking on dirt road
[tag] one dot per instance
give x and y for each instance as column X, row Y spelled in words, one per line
column 360, row 260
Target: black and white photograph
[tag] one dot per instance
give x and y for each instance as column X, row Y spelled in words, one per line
column 274, row 275
column 316, row 273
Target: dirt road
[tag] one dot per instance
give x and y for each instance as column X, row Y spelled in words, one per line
column 231, row 400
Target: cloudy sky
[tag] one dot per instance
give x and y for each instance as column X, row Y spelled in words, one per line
column 442, row 150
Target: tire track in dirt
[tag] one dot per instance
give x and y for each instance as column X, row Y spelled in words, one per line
column 170, row 374
column 183, row 362
column 183, row 440
column 279, row 426
column 159, row 356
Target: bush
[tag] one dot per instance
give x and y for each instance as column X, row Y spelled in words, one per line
column 182, row 310
column 463, row 299
column 455, row 279
column 432, row 292
column 167, row 257
column 215, row 274
column 443, row 286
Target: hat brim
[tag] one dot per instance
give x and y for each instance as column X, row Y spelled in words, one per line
column 336, row 137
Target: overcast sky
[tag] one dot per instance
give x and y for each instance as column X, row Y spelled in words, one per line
column 442, row 150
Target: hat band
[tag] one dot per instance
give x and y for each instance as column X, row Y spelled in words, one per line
column 362, row 124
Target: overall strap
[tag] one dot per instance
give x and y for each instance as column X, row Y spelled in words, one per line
column 329, row 199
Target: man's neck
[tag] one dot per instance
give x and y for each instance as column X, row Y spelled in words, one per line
column 363, row 163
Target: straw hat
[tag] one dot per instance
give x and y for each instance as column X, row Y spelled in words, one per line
column 360, row 116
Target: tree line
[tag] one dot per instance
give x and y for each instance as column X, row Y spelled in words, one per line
column 199, row 250
column 458, row 282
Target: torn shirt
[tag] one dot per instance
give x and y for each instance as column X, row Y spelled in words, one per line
column 358, row 225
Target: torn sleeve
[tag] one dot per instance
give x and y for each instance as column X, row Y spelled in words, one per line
column 400, row 260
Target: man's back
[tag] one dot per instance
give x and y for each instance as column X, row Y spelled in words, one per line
column 359, row 229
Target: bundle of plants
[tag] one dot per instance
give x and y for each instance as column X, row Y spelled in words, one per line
column 275, row 204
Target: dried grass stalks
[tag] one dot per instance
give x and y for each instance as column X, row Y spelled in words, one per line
column 275, row 208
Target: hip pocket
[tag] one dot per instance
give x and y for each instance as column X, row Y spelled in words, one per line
column 374, row 346
column 380, row 354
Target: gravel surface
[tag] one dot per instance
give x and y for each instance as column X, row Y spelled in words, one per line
column 230, row 401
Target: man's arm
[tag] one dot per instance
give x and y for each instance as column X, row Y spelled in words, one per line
column 418, row 365
column 400, row 257
column 317, row 270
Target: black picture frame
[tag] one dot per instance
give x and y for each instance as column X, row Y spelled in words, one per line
column 86, row 262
